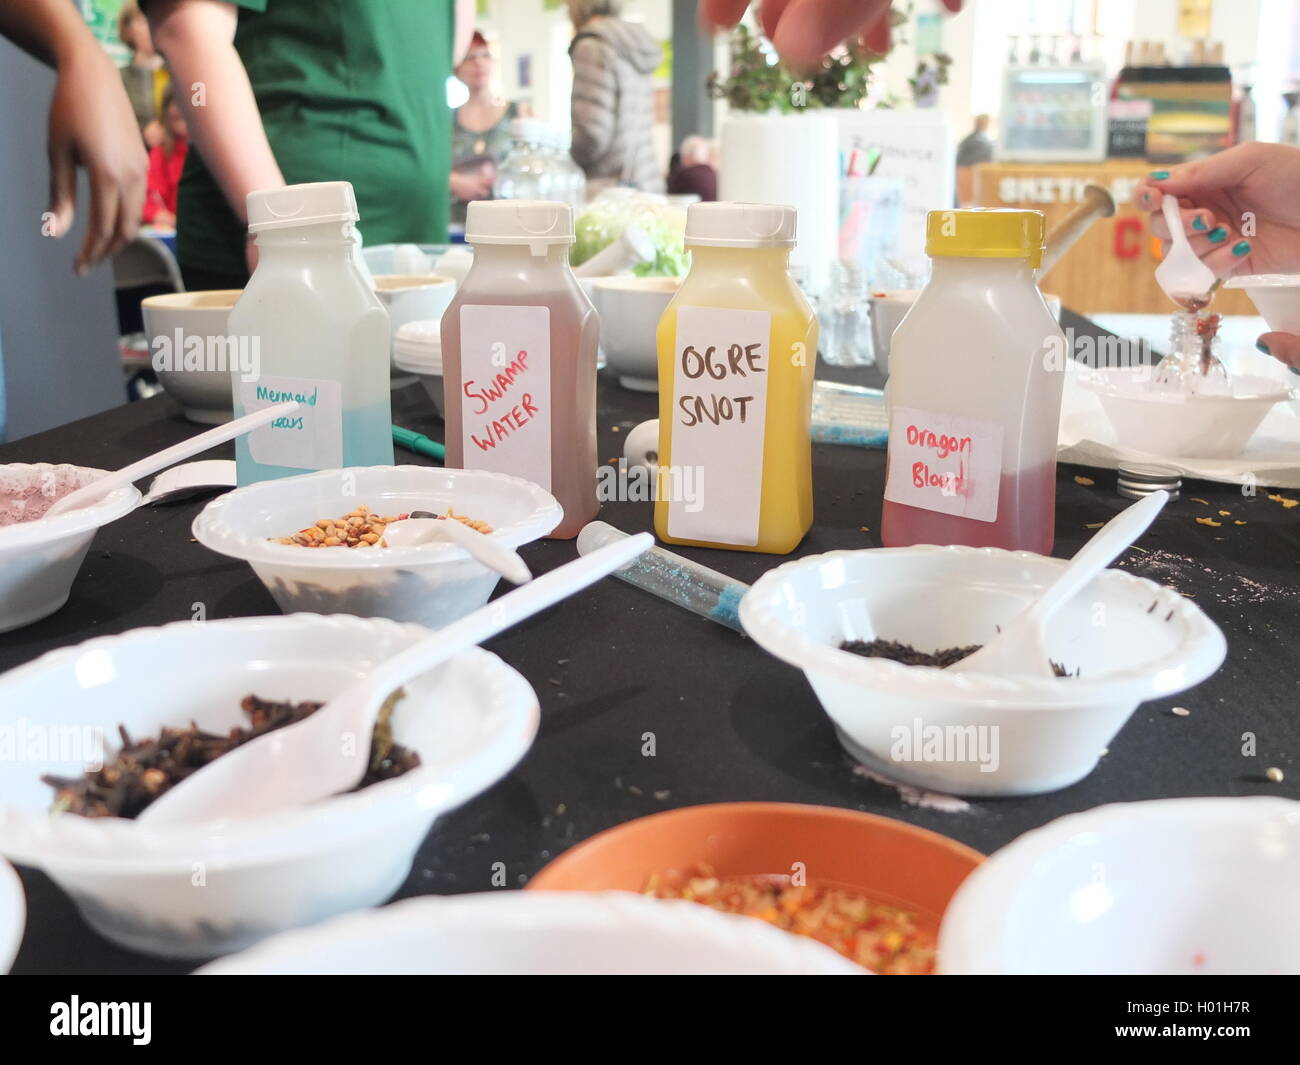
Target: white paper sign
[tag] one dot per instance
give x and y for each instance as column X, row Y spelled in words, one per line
column 505, row 400
column 309, row 438
column 720, row 375
column 944, row 463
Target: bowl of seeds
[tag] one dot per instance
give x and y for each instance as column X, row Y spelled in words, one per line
column 875, row 630
column 317, row 541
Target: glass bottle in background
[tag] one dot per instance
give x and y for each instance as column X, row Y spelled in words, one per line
column 845, row 318
column 575, row 180
column 737, row 353
column 976, row 372
column 524, row 174
column 316, row 332
column 519, row 357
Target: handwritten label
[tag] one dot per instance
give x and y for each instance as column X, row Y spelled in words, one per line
column 309, row 438
column 505, row 400
column 945, row 463
column 719, row 421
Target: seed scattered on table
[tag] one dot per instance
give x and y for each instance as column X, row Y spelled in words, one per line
column 1238, row 522
column 1286, row 501
column 1274, row 774
column 1094, row 525
column 1197, row 499
column 1181, row 711
column 1087, row 482
column 1210, row 522
column 1225, row 513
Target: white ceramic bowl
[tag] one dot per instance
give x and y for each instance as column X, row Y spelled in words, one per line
column 1170, row 887
column 199, row 890
column 968, row 733
column 630, row 309
column 523, row 933
column 412, row 298
column 13, row 915
column 39, row 559
column 177, row 319
column 1171, row 425
column 888, row 308
column 417, row 349
column 432, row 584
column 1275, row 296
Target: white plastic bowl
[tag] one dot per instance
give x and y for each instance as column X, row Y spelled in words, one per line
column 1170, row 425
column 1130, row 638
column 39, row 559
column 523, row 933
column 630, row 309
column 432, row 584
column 198, row 890
column 202, row 317
column 417, row 349
column 1171, row 887
column 13, row 916
column 1275, row 296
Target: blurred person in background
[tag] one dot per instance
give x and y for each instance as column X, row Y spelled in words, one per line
column 480, row 133
column 612, row 108
column 975, row 148
column 145, row 76
column 282, row 92
column 91, row 126
column 694, row 173
column 166, row 161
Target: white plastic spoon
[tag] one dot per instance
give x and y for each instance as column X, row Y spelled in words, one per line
column 1019, row 649
column 327, row 753
column 160, row 460
column 1181, row 274
column 413, row 531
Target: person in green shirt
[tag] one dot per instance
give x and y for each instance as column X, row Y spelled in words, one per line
column 289, row 91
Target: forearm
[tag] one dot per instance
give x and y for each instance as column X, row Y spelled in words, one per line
column 49, row 30
column 196, row 37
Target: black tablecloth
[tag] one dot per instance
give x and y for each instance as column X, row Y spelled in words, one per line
column 731, row 723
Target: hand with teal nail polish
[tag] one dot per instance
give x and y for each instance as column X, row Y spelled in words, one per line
column 1241, row 201
column 1285, row 347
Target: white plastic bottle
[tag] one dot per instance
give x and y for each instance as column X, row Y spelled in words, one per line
column 318, row 334
column 976, row 371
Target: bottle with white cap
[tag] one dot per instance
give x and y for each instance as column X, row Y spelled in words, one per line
column 519, row 357
column 737, row 353
column 319, row 335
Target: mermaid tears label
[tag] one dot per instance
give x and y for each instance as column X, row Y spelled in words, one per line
column 719, row 420
column 945, row 463
column 309, row 438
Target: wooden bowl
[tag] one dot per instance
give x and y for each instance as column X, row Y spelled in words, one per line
column 888, row 861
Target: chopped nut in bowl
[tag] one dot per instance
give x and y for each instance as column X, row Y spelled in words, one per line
column 281, row 529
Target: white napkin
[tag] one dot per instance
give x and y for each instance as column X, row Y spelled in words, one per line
column 1272, row 458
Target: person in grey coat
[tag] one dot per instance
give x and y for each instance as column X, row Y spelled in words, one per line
column 613, row 113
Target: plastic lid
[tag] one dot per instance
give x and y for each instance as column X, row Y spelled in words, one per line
column 301, row 205
column 986, row 233
column 528, row 222
column 417, row 347
column 740, row 225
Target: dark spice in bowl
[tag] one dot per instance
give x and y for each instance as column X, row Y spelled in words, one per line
column 910, row 656
column 142, row 770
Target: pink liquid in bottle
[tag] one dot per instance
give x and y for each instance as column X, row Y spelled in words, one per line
column 519, row 369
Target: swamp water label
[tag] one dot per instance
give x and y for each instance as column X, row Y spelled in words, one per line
column 719, row 419
column 505, row 367
column 309, row 438
column 945, row 463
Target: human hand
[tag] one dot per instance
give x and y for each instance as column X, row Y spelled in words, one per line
column 152, row 134
column 92, row 126
column 804, row 31
column 1239, row 208
column 466, row 187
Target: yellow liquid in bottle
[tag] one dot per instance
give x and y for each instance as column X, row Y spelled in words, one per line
column 752, row 279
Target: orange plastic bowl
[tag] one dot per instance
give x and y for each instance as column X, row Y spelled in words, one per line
column 888, row 861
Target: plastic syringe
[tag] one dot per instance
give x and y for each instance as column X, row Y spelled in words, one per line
column 671, row 577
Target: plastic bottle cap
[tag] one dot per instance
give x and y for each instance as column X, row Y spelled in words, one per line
column 740, row 225
column 986, row 233
column 527, row 129
column 301, row 205
column 530, row 222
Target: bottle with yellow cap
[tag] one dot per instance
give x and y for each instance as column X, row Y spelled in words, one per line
column 737, row 352
column 975, row 392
